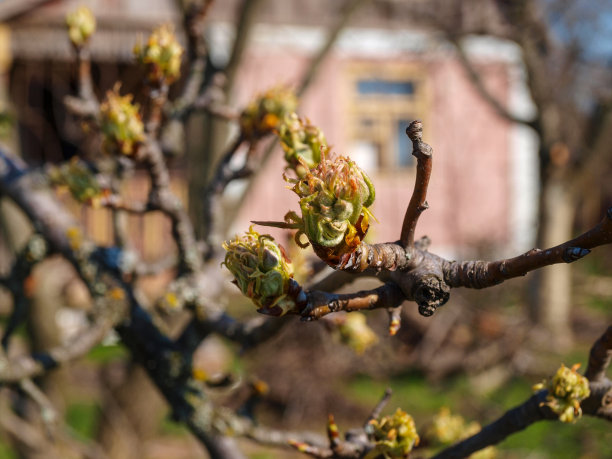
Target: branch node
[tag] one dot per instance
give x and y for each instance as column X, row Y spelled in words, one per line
column 430, row 294
column 572, row 254
column 415, row 131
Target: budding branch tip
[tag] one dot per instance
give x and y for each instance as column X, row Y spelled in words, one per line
column 415, row 130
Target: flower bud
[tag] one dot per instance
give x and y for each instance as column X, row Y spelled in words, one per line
column 394, row 436
column 161, row 55
column 261, row 270
column 566, row 390
column 81, row 25
column 355, row 333
column 264, row 114
column 79, row 180
column 302, row 143
column 334, row 199
column 120, row 124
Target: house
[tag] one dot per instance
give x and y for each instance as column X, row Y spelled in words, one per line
column 382, row 73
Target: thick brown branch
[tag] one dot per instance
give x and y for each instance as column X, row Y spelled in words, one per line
column 423, row 153
column 378, row 257
column 481, row 274
column 599, row 357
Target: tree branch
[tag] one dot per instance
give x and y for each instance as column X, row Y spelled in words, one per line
column 480, row 87
column 481, row 274
column 599, row 357
column 423, row 153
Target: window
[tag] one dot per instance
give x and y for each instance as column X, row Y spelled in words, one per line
column 384, row 99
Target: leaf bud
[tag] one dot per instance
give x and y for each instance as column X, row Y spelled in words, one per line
column 81, row 25
column 121, row 124
column 261, row 270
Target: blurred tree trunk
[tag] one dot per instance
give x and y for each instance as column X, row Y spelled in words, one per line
column 550, row 289
column 132, row 410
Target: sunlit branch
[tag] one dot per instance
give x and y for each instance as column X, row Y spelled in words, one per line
column 481, row 274
column 423, row 153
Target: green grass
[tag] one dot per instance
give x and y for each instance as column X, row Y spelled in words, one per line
column 6, row 452
column 82, row 418
column 102, row 354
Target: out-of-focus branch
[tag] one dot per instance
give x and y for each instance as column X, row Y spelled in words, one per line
column 16, row 369
column 423, row 153
column 246, row 20
column 223, row 175
column 158, row 97
column 599, row 357
column 85, row 105
column 162, row 198
column 349, row 9
column 48, row 413
column 479, row 85
column 34, row 252
column 86, row 91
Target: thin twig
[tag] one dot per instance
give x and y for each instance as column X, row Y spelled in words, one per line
column 375, row 414
column 423, row 153
column 479, row 85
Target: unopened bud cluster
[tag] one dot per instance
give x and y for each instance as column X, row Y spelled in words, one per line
column 302, row 143
column 81, row 25
column 334, row 200
column 566, row 390
column 161, row 54
column 264, row 114
column 77, row 178
column 447, row 428
column 121, row 124
column 261, row 271
column 355, row 333
column 394, row 436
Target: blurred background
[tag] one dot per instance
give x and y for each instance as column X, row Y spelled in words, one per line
column 516, row 102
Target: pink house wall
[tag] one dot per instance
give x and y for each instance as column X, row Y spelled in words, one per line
column 469, row 191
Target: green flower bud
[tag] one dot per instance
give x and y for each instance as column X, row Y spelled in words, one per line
column 302, row 143
column 81, row 25
column 261, row 270
column 566, row 390
column 395, row 436
column 264, row 114
column 79, row 180
column 161, row 55
column 355, row 333
column 334, row 199
column 120, row 124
